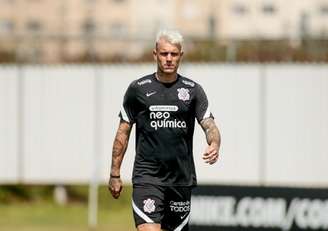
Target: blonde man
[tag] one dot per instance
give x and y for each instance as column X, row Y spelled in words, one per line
column 163, row 105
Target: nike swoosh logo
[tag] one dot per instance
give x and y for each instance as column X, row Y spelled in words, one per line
column 150, row 93
column 182, row 217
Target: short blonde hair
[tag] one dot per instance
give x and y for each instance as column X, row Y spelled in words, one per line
column 172, row 36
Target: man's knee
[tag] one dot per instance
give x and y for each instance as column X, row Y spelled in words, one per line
column 149, row 227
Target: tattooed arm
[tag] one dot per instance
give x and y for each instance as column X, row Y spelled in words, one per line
column 119, row 147
column 213, row 138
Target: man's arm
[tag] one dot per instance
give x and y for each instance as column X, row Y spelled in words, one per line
column 213, row 138
column 119, row 147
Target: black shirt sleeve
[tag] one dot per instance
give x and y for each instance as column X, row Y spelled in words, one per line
column 128, row 110
column 201, row 107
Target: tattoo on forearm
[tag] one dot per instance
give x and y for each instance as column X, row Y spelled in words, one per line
column 119, row 146
column 211, row 131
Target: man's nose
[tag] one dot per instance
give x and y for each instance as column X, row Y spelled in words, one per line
column 169, row 57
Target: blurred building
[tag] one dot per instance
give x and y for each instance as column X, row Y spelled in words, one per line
column 273, row 19
column 49, row 31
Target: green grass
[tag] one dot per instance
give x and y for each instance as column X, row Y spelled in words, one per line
column 44, row 214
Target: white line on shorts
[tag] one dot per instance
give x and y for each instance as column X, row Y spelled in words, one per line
column 141, row 214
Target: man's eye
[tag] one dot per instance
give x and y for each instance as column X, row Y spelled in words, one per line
column 173, row 54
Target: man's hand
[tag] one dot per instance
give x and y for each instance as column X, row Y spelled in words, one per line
column 211, row 154
column 119, row 147
column 213, row 138
column 115, row 187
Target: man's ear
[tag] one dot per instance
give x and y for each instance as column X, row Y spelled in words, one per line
column 181, row 53
column 155, row 54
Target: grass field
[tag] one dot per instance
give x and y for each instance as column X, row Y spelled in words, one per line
column 45, row 215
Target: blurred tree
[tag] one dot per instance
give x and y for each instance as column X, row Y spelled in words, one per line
column 305, row 50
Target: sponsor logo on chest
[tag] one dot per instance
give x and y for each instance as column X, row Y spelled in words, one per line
column 160, row 117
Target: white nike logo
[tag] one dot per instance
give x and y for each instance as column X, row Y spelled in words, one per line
column 150, row 93
column 184, row 216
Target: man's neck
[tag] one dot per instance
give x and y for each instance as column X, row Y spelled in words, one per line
column 166, row 78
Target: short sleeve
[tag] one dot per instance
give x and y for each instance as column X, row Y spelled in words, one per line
column 202, row 107
column 128, row 110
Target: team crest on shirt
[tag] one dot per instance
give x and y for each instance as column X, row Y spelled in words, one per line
column 183, row 94
column 149, row 205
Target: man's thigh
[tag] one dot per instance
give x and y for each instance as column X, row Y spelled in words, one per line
column 147, row 203
column 156, row 207
column 149, row 227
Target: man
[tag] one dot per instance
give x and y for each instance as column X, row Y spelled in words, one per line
column 163, row 106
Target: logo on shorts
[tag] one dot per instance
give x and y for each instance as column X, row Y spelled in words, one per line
column 180, row 206
column 183, row 94
column 149, row 205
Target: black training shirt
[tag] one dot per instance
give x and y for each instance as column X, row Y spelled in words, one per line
column 164, row 115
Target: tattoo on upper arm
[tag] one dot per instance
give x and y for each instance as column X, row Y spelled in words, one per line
column 211, row 131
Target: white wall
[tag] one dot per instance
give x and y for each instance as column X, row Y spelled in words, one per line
column 297, row 125
column 8, row 124
column 58, row 124
column 272, row 119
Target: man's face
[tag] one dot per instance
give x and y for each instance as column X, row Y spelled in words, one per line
column 167, row 56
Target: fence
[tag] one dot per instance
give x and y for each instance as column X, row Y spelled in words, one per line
column 57, row 123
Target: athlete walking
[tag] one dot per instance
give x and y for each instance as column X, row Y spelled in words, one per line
column 163, row 105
